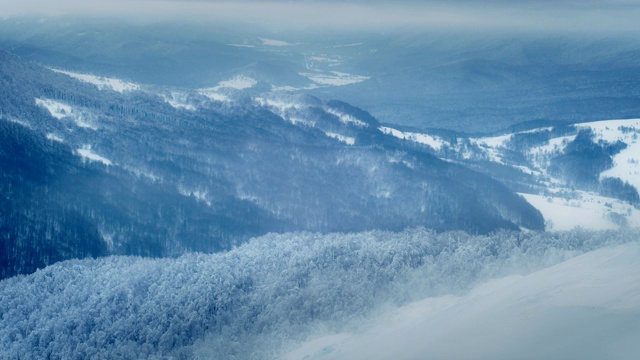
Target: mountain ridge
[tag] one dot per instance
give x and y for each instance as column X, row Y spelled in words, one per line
column 245, row 164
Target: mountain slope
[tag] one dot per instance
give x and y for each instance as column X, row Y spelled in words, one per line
column 581, row 174
column 204, row 170
column 526, row 317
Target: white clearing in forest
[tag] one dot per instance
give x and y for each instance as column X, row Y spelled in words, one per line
column 239, row 82
column 584, row 308
column 57, row 109
column 590, row 211
column 345, row 139
column 492, row 146
column 179, row 100
column 554, row 146
column 102, row 83
column 213, row 95
column 346, row 118
column 284, row 88
column 431, row 141
column 54, row 137
column 87, row 153
column 626, row 164
column 199, row 195
column 63, row 111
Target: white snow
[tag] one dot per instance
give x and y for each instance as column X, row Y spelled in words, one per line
column 492, row 146
column 432, row 141
column 611, row 130
column 54, row 137
column 57, row 109
column 86, row 153
column 17, row 121
column 587, row 307
column 345, row 139
column 626, row 163
column 589, row 211
column 102, row 83
column 346, row 118
column 330, row 61
column 335, row 78
column 272, row 42
column 179, row 100
column 239, row 82
column 61, row 111
column 284, row 88
column 283, row 109
column 213, row 95
column 199, row 195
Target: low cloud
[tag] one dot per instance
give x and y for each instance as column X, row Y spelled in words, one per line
column 565, row 16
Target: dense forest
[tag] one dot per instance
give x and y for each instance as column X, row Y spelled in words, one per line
column 127, row 173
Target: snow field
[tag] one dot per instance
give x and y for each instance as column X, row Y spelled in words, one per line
column 102, row 83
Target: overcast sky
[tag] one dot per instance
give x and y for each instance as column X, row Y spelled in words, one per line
column 539, row 15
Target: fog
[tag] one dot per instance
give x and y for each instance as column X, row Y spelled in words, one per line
column 552, row 16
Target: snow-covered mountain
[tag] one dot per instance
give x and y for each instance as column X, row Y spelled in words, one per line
column 581, row 174
column 151, row 170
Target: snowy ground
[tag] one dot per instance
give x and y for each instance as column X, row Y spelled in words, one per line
column 102, row 83
column 590, row 211
column 585, row 308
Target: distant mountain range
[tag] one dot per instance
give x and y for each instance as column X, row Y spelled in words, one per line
column 93, row 166
column 465, row 81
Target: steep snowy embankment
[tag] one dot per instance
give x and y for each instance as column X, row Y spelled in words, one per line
column 587, row 307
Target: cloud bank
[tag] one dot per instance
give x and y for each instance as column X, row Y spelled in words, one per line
column 571, row 16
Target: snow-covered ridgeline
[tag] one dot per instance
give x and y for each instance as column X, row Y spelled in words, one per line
column 239, row 82
column 345, row 139
column 179, row 100
column 431, row 141
column 284, row 109
column 346, row 118
column 86, row 153
column 102, row 83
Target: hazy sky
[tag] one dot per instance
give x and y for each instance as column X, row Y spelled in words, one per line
column 556, row 15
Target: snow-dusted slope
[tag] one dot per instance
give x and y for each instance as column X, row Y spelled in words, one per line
column 533, row 155
column 101, row 82
column 588, row 211
column 585, row 308
column 62, row 111
column 626, row 163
